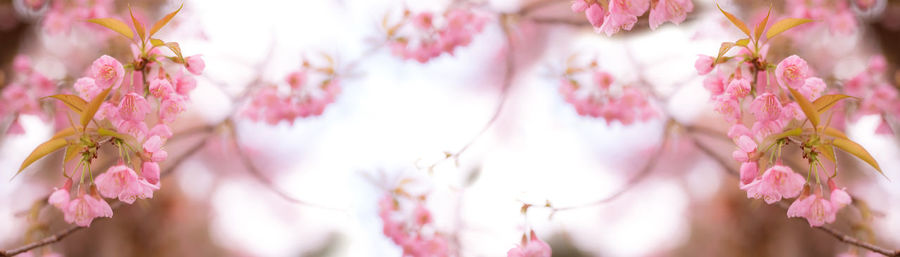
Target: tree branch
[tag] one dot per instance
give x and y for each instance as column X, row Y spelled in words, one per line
column 59, row 236
column 784, row 205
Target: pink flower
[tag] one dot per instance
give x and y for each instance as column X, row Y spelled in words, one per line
column 746, row 148
column 531, row 248
column 133, row 107
column 161, row 130
column 122, row 182
column 603, row 79
column 107, row 72
column 153, row 149
column 749, row 171
column 195, row 64
column 423, row 20
column 85, row 208
column 704, row 64
column 812, row 88
column 777, row 182
column 170, row 107
column 87, row 88
column 766, row 107
column 150, row 172
column 670, row 10
column 579, row 6
column 738, row 130
column 839, row 197
column 729, row 107
column 738, row 88
column 184, row 84
column 792, row 72
column 137, row 129
column 715, row 84
column 22, row 64
column 595, row 15
column 814, row 208
column 60, row 196
column 161, row 88
column 296, row 79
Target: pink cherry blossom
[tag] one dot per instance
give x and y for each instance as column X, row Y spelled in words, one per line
column 107, row 72
column 738, row 88
column 195, row 64
column 749, row 172
column 85, row 208
column 161, row 88
column 746, row 148
column 704, row 64
column 87, row 88
column 670, row 10
column 595, row 15
column 150, row 172
column 812, row 88
column 133, row 107
column 531, row 248
column 123, row 183
column 296, row 79
column 777, row 182
column 153, row 149
column 817, row 210
column 170, row 107
column 766, row 107
column 60, row 197
column 579, row 5
column 792, row 72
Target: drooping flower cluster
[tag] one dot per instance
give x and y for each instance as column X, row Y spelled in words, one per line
column 424, row 36
column 613, row 16
column 533, row 247
column 139, row 113
column 784, row 105
column 408, row 223
column 877, row 95
column 308, row 91
column 22, row 93
column 601, row 99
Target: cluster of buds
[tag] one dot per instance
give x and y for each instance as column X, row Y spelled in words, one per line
column 22, row 93
column 424, row 36
column 612, row 16
column 301, row 97
column 601, row 99
column 409, row 224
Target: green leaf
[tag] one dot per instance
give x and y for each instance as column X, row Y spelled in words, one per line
column 74, row 102
column 734, row 20
column 64, row 133
column 71, row 152
column 825, row 102
column 137, row 25
column 175, row 49
column 93, row 106
column 42, row 150
column 157, row 42
column 789, row 133
column 762, row 25
column 834, row 133
column 115, row 25
column 858, row 151
column 724, row 49
column 807, row 107
column 784, row 25
column 742, row 42
column 827, row 151
column 162, row 22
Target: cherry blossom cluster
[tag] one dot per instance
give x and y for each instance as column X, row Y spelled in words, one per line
column 144, row 98
column 532, row 247
column 62, row 14
column 837, row 15
column 754, row 98
column 408, row 223
column 22, row 94
column 613, row 16
column 301, row 97
column 424, row 36
column 877, row 95
column 601, row 99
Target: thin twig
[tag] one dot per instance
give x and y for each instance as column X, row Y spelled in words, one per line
column 649, row 166
column 248, row 164
column 504, row 93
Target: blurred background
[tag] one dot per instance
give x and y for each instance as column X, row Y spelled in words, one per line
column 393, row 117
